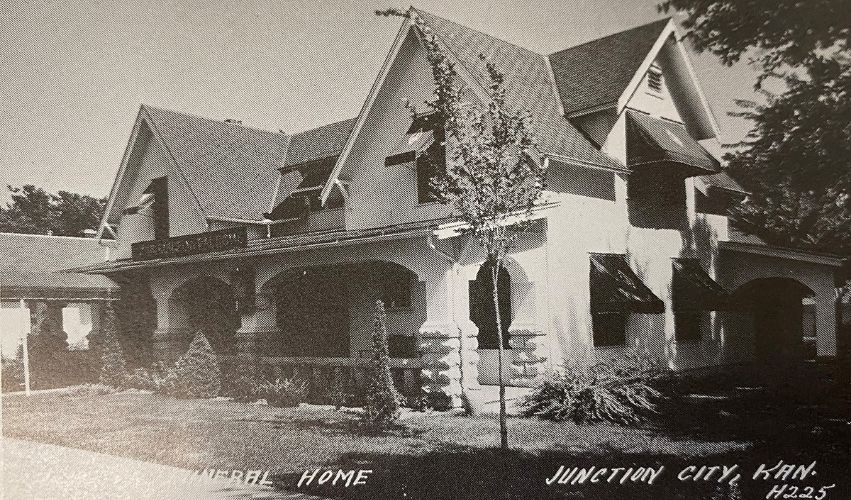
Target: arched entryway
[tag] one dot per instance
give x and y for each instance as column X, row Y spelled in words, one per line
column 210, row 307
column 777, row 311
column 483, row 314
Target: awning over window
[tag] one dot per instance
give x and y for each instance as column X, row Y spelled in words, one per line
column 694, row 290
column 654, row 141
column 409, row 147
column 615, row 288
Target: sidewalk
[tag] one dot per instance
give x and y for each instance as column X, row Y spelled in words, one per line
column 35, row 470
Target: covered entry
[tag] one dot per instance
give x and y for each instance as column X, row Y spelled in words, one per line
column 770, row 285
column 777, row 314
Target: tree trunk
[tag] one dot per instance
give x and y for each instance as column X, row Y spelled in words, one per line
column 503, row 421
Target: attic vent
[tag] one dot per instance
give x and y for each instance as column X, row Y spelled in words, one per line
column 654, row 79
column 233, row 120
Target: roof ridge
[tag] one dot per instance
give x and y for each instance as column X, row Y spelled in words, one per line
column 479, row 32
column 213, row 120
column 312, row 129
column 610, row 35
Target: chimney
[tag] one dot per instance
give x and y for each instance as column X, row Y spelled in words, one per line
column 233, row 121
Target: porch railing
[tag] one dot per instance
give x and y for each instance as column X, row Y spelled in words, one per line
column 324, row 371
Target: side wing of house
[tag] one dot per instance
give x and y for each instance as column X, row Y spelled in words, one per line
column 150, row 196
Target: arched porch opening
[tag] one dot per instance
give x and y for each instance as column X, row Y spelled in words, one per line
column 208, row 305
column 777, row 307
column 482, row 310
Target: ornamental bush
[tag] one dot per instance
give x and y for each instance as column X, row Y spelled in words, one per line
column 13, row 372
column 381, row 408
column 617, row 391
column 196, row 374
column 283, row 393
column 113, row 371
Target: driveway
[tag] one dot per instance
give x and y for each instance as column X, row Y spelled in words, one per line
column 43, row 471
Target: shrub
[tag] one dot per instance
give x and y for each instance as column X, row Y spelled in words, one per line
column 283, row 392
column 89, row 390
column 13, row 372
column 617, row 391
column 381, row 408
column 113, row 371
column 196, row 374
column 148, row 380
column 241, row 383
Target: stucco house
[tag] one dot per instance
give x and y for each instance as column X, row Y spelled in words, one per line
column 277, row 245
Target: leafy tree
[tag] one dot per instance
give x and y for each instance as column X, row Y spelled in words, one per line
column 493, row 178
column 382, row 401
column 795, row 159
column 33, row 210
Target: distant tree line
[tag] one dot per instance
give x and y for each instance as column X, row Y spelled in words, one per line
column 32, row 210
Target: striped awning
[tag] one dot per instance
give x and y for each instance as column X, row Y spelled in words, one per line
column 615, row 288
column 409, row 147
column 694, row 290
column 653, row 141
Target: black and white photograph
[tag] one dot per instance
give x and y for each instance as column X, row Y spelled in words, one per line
column 340, row 249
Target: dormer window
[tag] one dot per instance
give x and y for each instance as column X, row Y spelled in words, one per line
column 424, row 147
column 654, row 79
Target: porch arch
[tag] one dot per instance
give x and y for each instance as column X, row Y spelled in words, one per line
column 206, row 303
column 776, row 310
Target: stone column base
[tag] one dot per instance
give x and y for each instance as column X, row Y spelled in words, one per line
column 249, row 345
column 170, row 344
column 529, row 343
column 439, row 346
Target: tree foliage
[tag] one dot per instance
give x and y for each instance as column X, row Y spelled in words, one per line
column 113, row 372
column 381, row 408
column 196, row 374
column 32, row 210
column 795, row 160
column 493, row 178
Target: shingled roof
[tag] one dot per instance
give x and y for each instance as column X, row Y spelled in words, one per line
column 34, row 263
column 528, row 83
column 231, row 169
column 596, row 73
column 319, row 143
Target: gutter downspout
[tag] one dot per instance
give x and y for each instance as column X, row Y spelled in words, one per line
column 454, row 272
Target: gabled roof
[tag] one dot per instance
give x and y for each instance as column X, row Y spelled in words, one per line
column 30, row 261
column 596, row 73
column 528, row 82
column 231, row 169
column 318, row 143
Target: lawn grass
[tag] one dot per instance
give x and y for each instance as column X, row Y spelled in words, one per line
column 441, row 455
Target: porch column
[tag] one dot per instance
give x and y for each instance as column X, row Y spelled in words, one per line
column 826, row 324
column 439, row 341
column 172, row 336
column 526, row 336
column 258, row 326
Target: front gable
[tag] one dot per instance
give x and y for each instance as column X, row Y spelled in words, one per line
column 146, row 158
column 384, row 193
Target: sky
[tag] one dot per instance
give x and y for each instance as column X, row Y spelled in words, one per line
column 75, row 72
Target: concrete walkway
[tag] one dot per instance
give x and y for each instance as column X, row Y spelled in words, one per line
column 42, row 471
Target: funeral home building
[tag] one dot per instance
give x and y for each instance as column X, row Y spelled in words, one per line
column 277, row 245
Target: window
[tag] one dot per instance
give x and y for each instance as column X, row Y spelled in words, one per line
column 609, row 329
column 429, row 164
column 159, row 190
column 432, row 160
column 687, row 325
column 654, row 79
column 396, row 292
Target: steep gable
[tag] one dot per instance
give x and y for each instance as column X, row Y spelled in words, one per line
column 597, row 72
column 232, row 170
column 529, row 86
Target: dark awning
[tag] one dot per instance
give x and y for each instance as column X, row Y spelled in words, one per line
column 409, row 146
column 615, row 288
column 694, row 290
column 655, row 141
